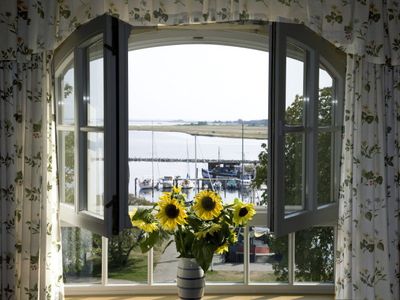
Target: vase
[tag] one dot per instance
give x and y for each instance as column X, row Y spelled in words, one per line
column 190, row 279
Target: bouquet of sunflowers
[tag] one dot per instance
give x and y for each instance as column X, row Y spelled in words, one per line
column 200, row 230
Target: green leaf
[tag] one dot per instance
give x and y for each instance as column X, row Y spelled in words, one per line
column 148, row 243
column 380, row 246
column 203, row 254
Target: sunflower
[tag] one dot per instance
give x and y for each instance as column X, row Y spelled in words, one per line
column 243, row 212
column 222, row 249
column 233, row 237
column 148, row 227
column 208, row 205
column 210, row 230
column 171, row 214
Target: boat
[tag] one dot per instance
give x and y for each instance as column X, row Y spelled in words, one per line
column 245, row 181
column 166, row 182
column 187, row 184
column 231, row 184
column 220, row 171
column 146, row 183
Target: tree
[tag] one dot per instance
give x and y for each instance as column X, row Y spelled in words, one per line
column 313, row 247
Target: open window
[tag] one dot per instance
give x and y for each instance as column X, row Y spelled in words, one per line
column 306, row 79
column 304, row 129
column 92, row 125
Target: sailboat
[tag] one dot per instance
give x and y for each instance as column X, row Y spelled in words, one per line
column 187, row 184
column 148, row 183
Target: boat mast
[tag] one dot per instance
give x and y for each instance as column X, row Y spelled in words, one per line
column 195, row 160
column 242, row 175
column 152, row 160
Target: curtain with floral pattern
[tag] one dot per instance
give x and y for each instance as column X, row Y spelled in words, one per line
column 30, row 256
column 368, row 232
column 368, row 227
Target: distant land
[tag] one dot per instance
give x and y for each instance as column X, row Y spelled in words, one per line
column 253, row 129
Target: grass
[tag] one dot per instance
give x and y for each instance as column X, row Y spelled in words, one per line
column 230, row 131
column 135, row 270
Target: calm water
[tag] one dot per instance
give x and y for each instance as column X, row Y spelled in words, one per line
column 182, row 146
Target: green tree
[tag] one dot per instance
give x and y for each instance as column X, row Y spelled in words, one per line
column 314, row 246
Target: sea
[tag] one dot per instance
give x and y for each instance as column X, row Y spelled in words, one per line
column 157, row 145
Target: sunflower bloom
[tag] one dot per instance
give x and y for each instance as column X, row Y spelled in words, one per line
column 171, row 214
column 210, row 230
column 243, row 212
column 208, row 205
column 147, row 227
column 222, row 249
column 233, row 237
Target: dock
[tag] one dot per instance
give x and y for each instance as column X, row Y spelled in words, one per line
column 192, row 160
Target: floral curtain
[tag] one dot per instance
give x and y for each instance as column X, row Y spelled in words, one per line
column 368, row 245
column 368, row 227
column 30, row 256
column 363, row 27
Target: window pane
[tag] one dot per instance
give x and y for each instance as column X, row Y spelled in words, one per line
column 294, row 172
column 165, row 263
column 314, row 255
column 126, row 263
column 294, row 85
column 95, row 108
column 95, row 172
column 66, row 158
column 66, row 102
column 268, row 256
column 81, row 256
column 324, row 168
column 325, row 103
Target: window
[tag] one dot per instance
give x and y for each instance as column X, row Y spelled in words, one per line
column 304, row 132
column 110, row 150
column 92, row 125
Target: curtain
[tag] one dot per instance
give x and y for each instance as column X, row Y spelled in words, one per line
column 363, row 27
column 30, row 264
column 368, row 227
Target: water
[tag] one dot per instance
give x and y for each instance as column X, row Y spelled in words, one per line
column 175, row 145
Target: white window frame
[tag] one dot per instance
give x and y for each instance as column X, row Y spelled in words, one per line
column 114, row 35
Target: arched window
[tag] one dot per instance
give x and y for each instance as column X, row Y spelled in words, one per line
column 284, row 142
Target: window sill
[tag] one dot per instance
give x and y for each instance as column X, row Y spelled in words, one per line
column 209, row 297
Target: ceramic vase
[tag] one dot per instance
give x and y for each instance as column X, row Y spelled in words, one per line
column 190, row 279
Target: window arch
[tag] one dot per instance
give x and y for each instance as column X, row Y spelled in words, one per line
column 294, row 202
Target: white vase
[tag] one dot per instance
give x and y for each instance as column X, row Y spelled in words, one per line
column 190, row 279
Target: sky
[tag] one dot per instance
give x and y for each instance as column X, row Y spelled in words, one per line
column 204, row 82
column 196, row 83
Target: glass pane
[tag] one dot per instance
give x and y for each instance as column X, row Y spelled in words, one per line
column 294, row 172
column 95, row 106
column 314, row 255
column 66, row 144
column 66, row 103
column 324, row 168
column 126, row 263
column 268, row 256
column 294, row 85
column 95, row 172
column 165, row 263
column 228, row 267
column 81, row 251
column 325, row 107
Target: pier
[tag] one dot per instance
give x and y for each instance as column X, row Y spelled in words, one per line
column 192, row 160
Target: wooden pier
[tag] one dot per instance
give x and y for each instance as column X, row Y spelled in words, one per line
column 192, row 160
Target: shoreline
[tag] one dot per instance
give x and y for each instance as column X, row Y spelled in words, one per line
column 227, row 131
